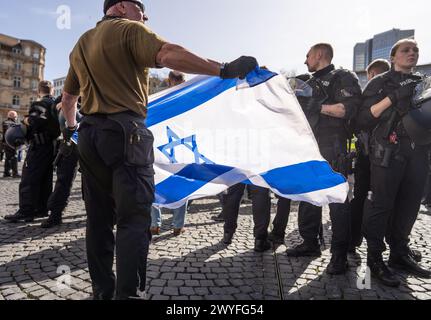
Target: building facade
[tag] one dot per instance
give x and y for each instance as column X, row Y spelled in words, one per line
column 22, row 65
column 379, row 47
column 58, row 86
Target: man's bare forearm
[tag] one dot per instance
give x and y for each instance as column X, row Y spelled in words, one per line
column 335, row 110
column 69, row 105
column 178, row 58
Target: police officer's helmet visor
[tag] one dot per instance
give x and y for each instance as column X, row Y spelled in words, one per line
column 422, row 91
column 300, row 88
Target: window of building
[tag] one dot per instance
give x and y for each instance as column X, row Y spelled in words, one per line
column 27, row 51
column 35, row 70
column 16, row 50
column 36, row 53
column 17, row 82
column 18, row 66
column 32, row 99
column 33, row 84
column 15, row 101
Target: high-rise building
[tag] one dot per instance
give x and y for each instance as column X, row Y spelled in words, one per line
column 379, row 47
column 22, row 64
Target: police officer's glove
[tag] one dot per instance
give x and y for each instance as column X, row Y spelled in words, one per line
column 403, row 93
column 238, row 68
column 68, row 133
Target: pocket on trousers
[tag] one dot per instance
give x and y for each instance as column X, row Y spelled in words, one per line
column 145, row 185
column 139, row 147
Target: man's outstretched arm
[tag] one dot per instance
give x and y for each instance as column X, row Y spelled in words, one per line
column 178, row 58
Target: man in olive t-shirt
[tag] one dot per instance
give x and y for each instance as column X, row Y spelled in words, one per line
column 109, row 69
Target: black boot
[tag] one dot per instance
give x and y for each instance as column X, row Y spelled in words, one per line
column 218, row 218
column 19, row 216
column 52, row 221
column 304, row 250
column 227, row 238
column 338, row 264
column 408, row 264
column 415, row 254
column 262, row 245
column 381, row 272
column 276, row 239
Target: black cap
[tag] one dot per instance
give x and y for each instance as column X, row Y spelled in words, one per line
column 109, row 3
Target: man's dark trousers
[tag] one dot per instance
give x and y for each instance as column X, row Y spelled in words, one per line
column 114, row 192
column 261, row 203
column 66, row 173
column 36, row 183
column 332, row 149
column 11, row 161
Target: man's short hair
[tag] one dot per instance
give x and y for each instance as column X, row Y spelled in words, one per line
column 326, row 49
column 45, row 86
column 379, row 65
column 177, row 76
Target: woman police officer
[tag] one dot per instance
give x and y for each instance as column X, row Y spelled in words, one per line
column 398, row 166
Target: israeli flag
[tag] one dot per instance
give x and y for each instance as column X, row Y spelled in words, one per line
column 211, row 134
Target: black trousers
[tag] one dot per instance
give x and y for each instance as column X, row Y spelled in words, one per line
column 11, row 162
column 332, row 148
column 114, row 190
column 397, row 192
column 281, row 218
column 66, row 173
column 261, row 207
column 362, row 187
column 36, row 182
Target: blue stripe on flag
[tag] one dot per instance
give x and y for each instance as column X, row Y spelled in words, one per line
column 292, row 180
column 190, row 97
column 303, row 178
column 188, row 180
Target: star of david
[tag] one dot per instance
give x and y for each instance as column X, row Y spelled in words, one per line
column 190, row 143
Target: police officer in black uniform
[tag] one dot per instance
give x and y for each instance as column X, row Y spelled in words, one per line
column 399, row 166
column 261, row 207
column 109, row 69
column 11, row 160
column 37, row 175
column 342, row 95
column 362, row 167
column 66, row 163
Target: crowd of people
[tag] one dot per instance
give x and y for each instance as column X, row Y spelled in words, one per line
column 109, row 71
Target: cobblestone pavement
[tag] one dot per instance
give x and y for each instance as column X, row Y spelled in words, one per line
column 193, row 266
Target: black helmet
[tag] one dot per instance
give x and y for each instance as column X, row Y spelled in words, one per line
column 16, row 135
column 418, row 121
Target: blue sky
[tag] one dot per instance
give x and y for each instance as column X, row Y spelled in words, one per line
column 277, row 32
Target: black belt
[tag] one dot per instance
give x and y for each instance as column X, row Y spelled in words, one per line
column 107, row 115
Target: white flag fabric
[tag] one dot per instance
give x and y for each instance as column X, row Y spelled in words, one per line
column 211, row 134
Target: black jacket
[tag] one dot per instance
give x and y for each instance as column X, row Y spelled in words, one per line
column 43, row 117
column 340, row 86
column 376, row 90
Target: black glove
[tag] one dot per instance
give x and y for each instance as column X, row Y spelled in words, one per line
column 68, row 132
column 238, row 68
column 403, row 93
